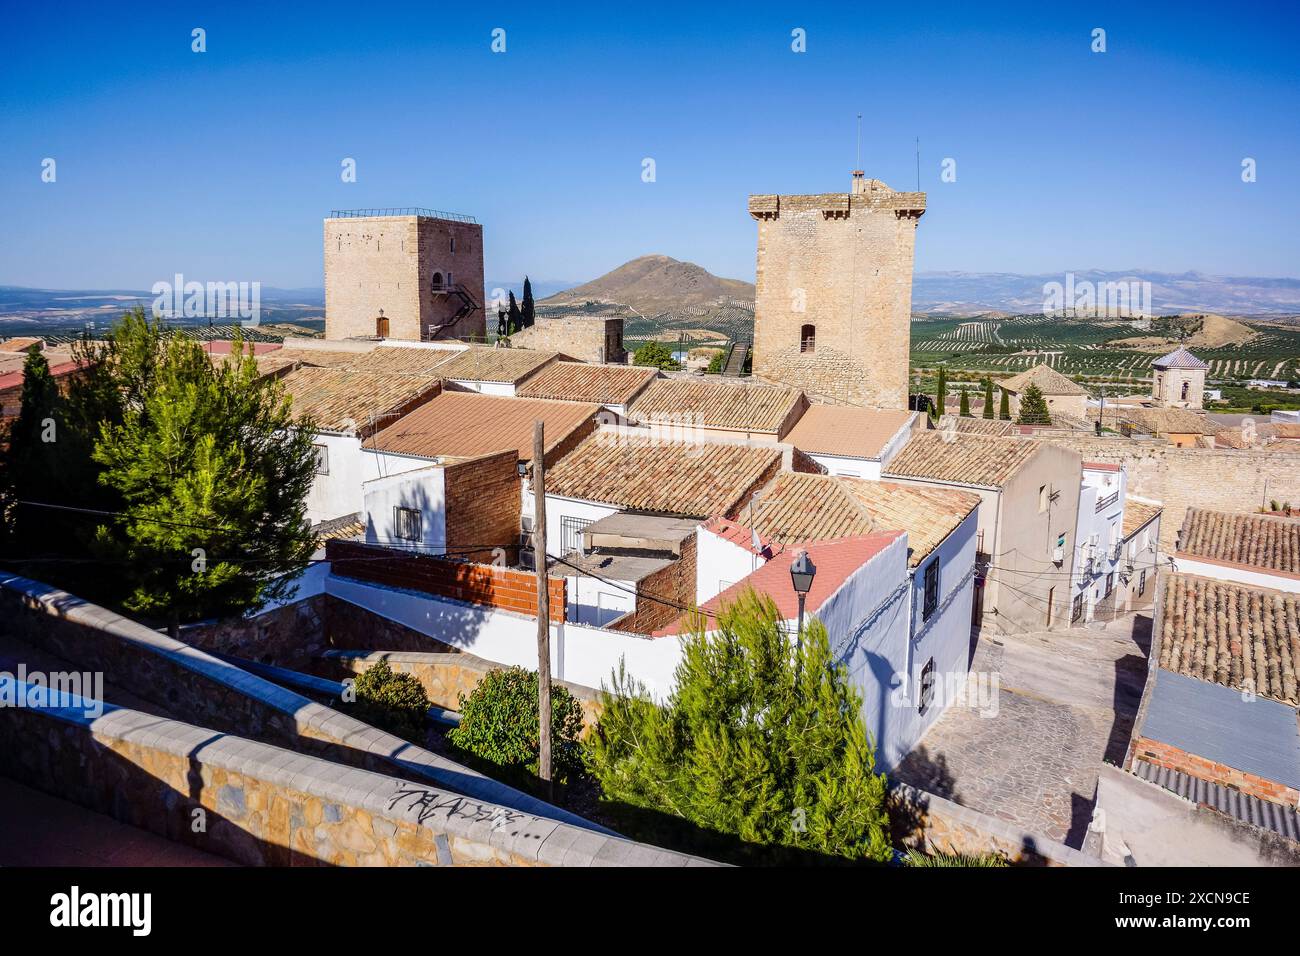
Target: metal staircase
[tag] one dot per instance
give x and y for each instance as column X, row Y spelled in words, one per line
column 467, row 306
column 733, row 366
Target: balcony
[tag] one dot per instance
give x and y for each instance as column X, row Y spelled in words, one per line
column 1106, row 502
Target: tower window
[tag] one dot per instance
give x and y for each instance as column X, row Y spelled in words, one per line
column 1186, row 388
column 437, row 281
column 808, row 338
column 453, row 245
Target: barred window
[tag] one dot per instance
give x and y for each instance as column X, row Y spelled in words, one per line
column 931, row 590
column 406, row 523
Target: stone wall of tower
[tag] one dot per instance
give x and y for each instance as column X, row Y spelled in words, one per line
column 1167, row 387
column 390, row 263
column 840, row 263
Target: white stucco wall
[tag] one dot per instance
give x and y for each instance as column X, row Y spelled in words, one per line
column 337, row 494
column 1255, row 577
column 580, row 654
column 557, row 509
column 595, row 602
column 488, row 388
column 719, row 564
column 1107, row 526
column 423, row 490
column 849, row 467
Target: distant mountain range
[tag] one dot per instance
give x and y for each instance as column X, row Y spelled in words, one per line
column 967, row 293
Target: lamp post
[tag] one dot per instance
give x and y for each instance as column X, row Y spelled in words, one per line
column 802, row 572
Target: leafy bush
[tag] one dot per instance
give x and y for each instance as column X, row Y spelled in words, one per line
column 761, row 751
column 715, row 363
column 499, row 724
column 656, row 354
column 395, row 702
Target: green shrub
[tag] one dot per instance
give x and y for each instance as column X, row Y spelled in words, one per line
column 942, row 858
column 760, row 754
column 715, row 363
column 395, row 702
column 499, row 724
column 656, row 354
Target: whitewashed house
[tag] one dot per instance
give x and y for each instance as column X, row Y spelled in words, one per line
column 1099, row 541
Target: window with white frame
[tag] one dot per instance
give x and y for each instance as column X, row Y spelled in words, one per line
column 406, row 523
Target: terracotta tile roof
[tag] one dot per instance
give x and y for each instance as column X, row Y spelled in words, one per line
column 466, row 424
column 1048, row 380
column 976, row 426
column 1179, row 358
column 760, row 408
column 698, row 479
column 1261, row 541
column 1231, row 634
column 965, row 459
column 1156, row 421
column 741, row 534
column 318, row 358
column 836, row 562
column 508, row 366
column 580, row 382
column 846, row 430
column 798, row 507
column 20, row 343
column 339, row 399
column 343, row 532
column 397, row 360
column 1137, row 513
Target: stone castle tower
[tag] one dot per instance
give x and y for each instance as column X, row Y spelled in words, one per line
column 833, row 302
column 414, row 274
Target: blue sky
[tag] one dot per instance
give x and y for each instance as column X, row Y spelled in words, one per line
column 221, row 165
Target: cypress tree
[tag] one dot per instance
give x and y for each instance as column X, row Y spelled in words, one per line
column 514, row 317
column 528, row 312
column 1004, row 409
column 988, row 398
column 965, row 404
column 941, row 390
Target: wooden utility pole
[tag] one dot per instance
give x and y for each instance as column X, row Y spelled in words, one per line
column 543, row 608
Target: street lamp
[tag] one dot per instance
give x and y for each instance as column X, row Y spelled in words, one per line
column 802, row 572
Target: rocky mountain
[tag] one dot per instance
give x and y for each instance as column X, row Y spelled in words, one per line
column 655, row 284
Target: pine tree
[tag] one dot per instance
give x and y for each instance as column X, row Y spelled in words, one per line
column 528, row 311
column 1004, row 409
column 1033, row 407
column 757, row 742
column 31, row 466
column 514, row 317
column 941, row 391
column 965, row 404
column 988, row 398
column 213, row 473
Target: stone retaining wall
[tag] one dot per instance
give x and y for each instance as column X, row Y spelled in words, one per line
column 949, row 827
column 263, row 806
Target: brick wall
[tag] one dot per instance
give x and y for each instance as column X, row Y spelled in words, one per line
column 484, row 584
column 675, row 583
column 1164, row 755
column 1223, row 479
column 482, row 507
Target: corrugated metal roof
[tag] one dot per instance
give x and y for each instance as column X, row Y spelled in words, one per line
column 1234, row 803
column 1254, row 735
column 467, row 424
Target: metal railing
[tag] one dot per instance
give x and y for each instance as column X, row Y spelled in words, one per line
column 402, row 211
column 1107, row 501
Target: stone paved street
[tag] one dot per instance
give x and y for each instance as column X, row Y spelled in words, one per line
column 1067, row 701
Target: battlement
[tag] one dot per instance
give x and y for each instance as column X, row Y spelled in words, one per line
column 867, row 195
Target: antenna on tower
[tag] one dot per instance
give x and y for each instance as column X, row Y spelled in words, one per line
column 858, row 163
column 918, row 164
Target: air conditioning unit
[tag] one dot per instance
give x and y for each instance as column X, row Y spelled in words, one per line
column 1058, row 555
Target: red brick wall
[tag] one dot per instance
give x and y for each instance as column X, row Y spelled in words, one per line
column 1164, row 755
column 675, row 583
column 482, row 507
column 484, row 584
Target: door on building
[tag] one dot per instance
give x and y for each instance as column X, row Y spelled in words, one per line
column 381, row 326
column 977, row 605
